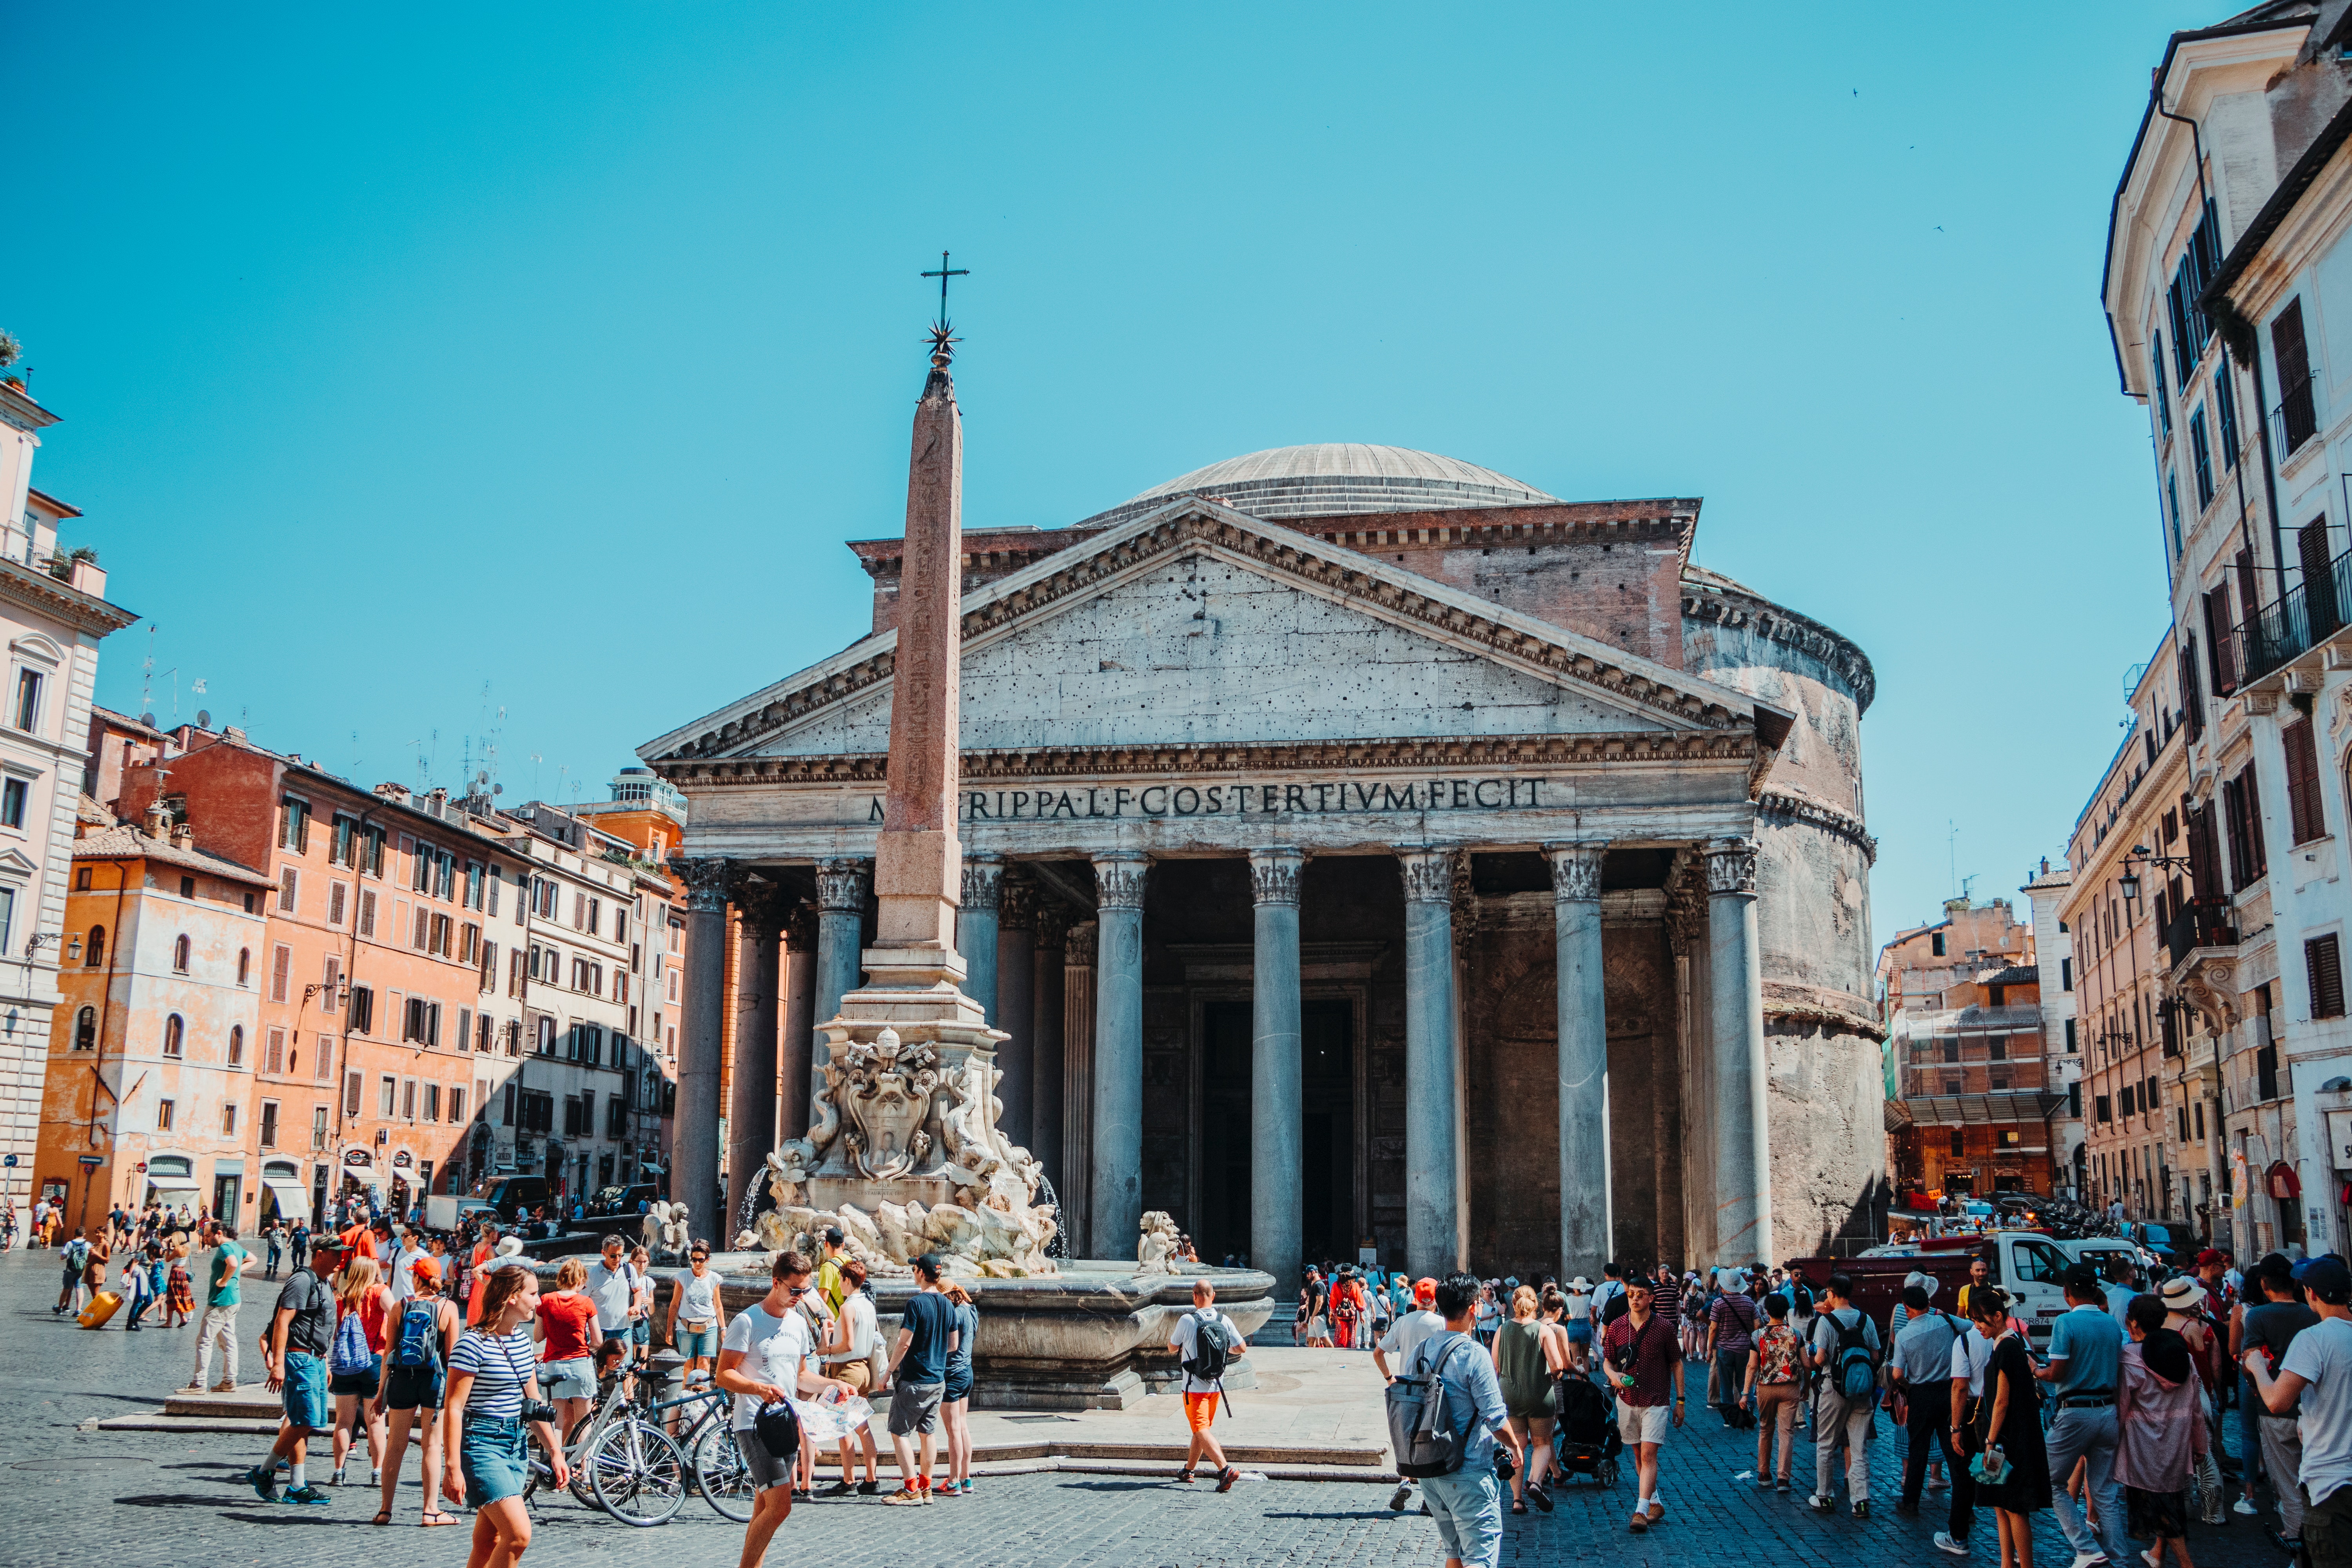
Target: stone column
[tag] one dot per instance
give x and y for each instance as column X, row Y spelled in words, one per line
column 1045, row 1065
column 1077, row 1182
column 752, row 1102
column 1278, row 1109
column 694, row 1143
column 983, row 877
column 1586, row 1232
column 1743, row 1155
column 841, row 888
column 1433, row 1235
column 1118, row 1176
column 796, row 1062
column 1016, row 966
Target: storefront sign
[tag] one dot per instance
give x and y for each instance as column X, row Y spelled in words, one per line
column 2339, row 1139
column 358, row 1157
column 403, row 1160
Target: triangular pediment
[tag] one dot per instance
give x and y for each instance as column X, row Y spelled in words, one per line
column 1198, row 626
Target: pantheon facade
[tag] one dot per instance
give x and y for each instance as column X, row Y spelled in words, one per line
column 1362, row 849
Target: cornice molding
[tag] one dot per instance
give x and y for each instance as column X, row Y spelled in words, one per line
column 1659, row 747
column 1331, row 568
column 20, row 584
column 1747, row 611
column 1782, row 807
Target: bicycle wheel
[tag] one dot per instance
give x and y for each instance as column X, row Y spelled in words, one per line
column 637, row 1473
column 576, row 1454
column 718, row 1470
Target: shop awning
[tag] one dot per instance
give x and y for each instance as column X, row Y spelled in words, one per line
column 293, row 1198
column 174, row 1189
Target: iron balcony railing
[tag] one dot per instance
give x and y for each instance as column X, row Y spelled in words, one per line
column 2307, row 615
column 2200, row 923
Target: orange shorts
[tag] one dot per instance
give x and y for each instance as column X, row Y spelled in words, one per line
column 1200, row 1409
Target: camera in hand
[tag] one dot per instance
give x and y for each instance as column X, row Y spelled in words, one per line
column 537, row 1410
column 1504, row 1466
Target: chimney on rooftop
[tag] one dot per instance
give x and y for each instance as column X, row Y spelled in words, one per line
column 183, row 836
column 157, row 820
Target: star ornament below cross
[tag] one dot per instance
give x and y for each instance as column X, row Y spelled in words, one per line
column 943, row 342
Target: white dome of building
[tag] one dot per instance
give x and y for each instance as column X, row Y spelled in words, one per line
column 1335, row 478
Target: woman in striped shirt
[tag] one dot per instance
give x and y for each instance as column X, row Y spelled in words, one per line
column 492, row 1372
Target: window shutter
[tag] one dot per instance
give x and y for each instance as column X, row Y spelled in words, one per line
column 286, row 892
column 277, row 1057
column 367, row 912
column 2192, row 705
column 2319, row 604
column 282, row 964
column 2260, row 856
column 2292, row 355
column 2307, row 820
column 2222, row 645
column 2249, row 591
column 333, row 976
column 2324, row 966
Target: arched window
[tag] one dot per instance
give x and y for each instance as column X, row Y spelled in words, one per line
column 237, row 1045
column 86, row 1029
column 181, row 949
column 174, row 1034
column 244, row 964
column 94, row 954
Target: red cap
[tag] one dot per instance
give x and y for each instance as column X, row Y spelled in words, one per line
column 2211, row 1254
column 1424, row 1292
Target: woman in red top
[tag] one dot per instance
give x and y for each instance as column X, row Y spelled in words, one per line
column 568, row 1341
column 361, row 1294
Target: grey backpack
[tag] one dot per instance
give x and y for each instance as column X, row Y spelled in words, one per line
column 1423, row 1439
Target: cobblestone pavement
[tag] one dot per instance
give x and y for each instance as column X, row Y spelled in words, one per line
column 132, row 1498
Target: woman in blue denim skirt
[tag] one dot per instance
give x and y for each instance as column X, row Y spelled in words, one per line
column 492, row 1373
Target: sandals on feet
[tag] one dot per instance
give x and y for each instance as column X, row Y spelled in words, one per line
column 383, row 1517
column 1519, row 1506
column 436, row 1518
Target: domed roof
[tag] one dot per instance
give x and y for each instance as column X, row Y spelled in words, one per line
column 1333, row 478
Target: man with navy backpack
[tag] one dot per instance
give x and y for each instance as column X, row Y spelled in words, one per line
column 1846, row 1352
column 1466, row 1501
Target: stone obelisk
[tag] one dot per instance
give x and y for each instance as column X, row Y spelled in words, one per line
column 914, row 976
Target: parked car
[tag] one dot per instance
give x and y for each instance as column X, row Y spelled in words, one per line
column 513, row 1196
column 622, row 1199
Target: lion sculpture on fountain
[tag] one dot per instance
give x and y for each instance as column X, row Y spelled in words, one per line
column 1156, row 1254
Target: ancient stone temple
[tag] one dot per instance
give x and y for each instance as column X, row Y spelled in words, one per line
column 1359, row 848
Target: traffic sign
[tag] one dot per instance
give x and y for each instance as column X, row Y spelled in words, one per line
column 91, row 1162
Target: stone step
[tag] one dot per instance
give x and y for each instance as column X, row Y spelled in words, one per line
column 251, row 1402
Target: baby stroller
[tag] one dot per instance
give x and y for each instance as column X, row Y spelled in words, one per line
column 1585, row 1436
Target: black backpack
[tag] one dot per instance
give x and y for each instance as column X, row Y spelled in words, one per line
column 1212, row 1348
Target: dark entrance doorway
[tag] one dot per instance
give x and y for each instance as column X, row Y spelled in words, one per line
column 1328, row 1207
column 1327, row 1145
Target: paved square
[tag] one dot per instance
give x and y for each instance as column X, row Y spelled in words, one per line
column 132, row 1498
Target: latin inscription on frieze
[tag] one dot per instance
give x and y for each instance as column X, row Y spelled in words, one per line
column 1047, row 802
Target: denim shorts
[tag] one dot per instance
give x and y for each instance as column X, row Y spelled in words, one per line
column 701, row 1342
column 573, row 1379
column 413, row 1388
column 306, row 1392
column 1580, row 1330
column 959, row 1385
column 495, row 1453
column 641, row 1333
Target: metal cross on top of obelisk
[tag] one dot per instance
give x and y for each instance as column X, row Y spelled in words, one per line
column 943, row 340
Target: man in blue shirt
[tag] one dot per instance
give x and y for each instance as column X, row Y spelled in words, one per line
column 1467, row 1504
column 2085, row 1360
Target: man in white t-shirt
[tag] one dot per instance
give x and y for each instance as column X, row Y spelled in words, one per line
column 405, row 1257
column 763, row 1358
column 1201, row 1394
column 612, row 1285
column 2317, row 1371
column 1407, row 1332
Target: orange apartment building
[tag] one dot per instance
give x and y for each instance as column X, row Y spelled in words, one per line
column 1963, row 1002
column 386, row 921
column 148, row 1094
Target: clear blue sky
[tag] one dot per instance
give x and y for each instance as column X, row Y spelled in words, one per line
column 419, row 365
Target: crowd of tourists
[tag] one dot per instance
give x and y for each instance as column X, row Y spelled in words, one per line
column 2115, row 1427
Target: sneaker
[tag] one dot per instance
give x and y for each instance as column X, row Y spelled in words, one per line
column 1763, row 1482
column 1541, row 1498
column 869, row 1488
column 1226, row 1478
column 1399, row 1498
column 1783, row 1488
column 965, row 1486
column 904, row 1496
column 2089, row 1559
column 375, row 1478
column 337, row 1479
column 1185, row 1476
column 2244, row 1505
column 1861, row 1508
column 225, row 1388
column 194, row 1388
column 309, row 1496
column 1821, row 1504
column 264, row 1482
column 838, row 1489
column 1944, row 1542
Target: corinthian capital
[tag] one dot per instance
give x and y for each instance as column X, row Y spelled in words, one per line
column 841, row 886
column 1273, row 875
column 983, row 877
column 1119, row 880
column 1053, row 925
column 1731, row 866
column 1576, row 871
column 1428, row 876
column 763, row 907
column 1017, row 902
column 708, row 880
